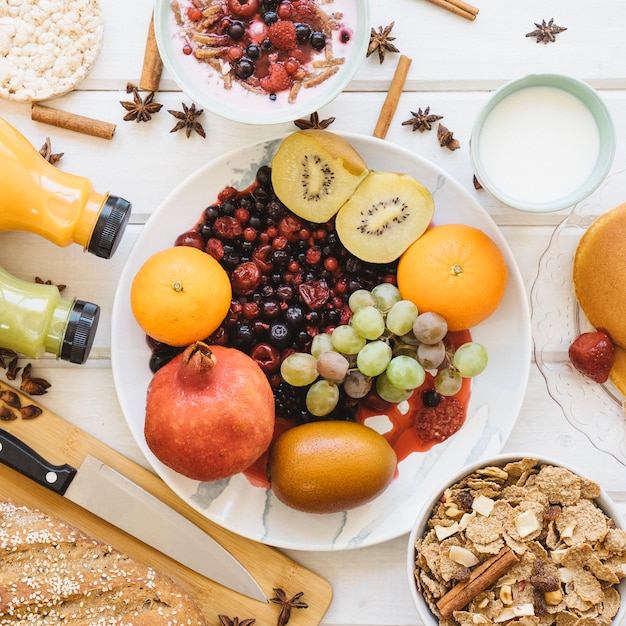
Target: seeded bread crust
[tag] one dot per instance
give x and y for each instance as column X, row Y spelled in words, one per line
column 53, row 573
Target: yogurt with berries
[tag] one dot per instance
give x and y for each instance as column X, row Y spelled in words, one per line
column 262, row 61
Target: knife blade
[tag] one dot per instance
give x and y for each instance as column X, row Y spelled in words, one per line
column 102, row 490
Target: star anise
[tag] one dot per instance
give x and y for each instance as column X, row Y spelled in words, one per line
column 187, row 119
column 446, row 138
column 422, row 120
column 11, row 399
column 46, row 153
column 139, row 109
column 41, row 281
column 314, row 122
column 13, row 369
column 546, row 32
column 6, row 415
column 33, row 386
column 287, row 604
column 381, row 41
column 227, row 621
column 6, row 353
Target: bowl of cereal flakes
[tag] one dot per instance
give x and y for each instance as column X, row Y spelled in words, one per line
column 262, row 61
column 518, row 541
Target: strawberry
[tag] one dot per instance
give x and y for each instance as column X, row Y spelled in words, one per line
column 278, row 79
column 592, row 354
column 282, row 35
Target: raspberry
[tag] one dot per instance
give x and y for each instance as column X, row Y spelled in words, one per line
column 278, row 79
column 306, row 12
column 437, row 423
column 282, row 35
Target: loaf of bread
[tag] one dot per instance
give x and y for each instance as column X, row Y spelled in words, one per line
column 53, row 573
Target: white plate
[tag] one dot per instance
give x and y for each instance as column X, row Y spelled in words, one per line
column 254, row 512
column 594, row 409
column 205, row 87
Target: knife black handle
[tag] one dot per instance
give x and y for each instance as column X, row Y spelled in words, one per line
column 17, row 455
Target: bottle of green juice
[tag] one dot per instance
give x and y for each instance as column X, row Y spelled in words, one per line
column 35, row 319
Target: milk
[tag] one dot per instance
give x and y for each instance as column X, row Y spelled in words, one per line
column 539, row 144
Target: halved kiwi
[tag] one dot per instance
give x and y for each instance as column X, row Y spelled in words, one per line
column 386, row 213
column 314, row 172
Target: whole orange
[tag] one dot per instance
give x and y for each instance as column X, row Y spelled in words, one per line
column 455, row 270
column 180, row 295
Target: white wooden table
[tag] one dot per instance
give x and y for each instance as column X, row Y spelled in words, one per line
column 455, row 64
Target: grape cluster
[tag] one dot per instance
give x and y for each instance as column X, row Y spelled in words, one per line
column 387, row 347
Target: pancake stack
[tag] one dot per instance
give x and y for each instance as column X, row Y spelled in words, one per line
column 599, row 276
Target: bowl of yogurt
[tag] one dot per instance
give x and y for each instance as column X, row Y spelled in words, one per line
column 262, row 61
column 542, row 142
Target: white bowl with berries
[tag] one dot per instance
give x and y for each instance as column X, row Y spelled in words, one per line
column 262, row 61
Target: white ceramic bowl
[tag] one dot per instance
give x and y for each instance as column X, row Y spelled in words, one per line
column 542, row 142
column 205, row 86
column 420, row 526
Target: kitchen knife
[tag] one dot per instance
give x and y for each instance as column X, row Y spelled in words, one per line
column 102, row 490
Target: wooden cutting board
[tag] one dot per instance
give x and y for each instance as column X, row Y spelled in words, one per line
column 60, row 442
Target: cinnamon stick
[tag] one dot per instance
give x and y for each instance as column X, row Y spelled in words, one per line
column 458, row 7
column 481, row 578
column 71, row 121
column 393, row 97
column 152, row 63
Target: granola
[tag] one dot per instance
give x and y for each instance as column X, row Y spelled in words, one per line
column 570, row 554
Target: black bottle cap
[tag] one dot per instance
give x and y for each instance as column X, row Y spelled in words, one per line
column 110, row 227
column 80, row 332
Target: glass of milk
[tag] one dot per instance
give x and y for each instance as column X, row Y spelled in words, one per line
column 543, row 142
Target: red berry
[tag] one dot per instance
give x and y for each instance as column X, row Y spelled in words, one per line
column 291, row 65
column 282, row 35
column 284, row 10
column 593, row 354
column 234, row 53
column 194, row 14
column 243, row 8
column 187, row 49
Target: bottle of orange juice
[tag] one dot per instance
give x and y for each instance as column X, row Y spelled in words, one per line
column 37, row 197
column 34, row 319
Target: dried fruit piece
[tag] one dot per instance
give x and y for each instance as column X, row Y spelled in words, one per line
column 592, row 354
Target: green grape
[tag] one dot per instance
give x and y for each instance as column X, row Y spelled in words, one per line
column 345, row 339
column 430, row 327
column 386, row 296
column 359, row 298
column 299, row 369
column 405, row 373
column 448, row 381
column 332, row 366
column 389, row 392
column 431, row 355
column 369, row 322
column 401, row 317
column 373, row 358
column 470, row 359
column 322, row 342
column 357, row 385
column 322, row 397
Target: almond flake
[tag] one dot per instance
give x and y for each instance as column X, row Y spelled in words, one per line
column 463, row 556
column 526, row 523
column 483, row 505
column 443, row 532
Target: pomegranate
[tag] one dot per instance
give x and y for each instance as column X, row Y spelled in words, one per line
column 209, row 412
